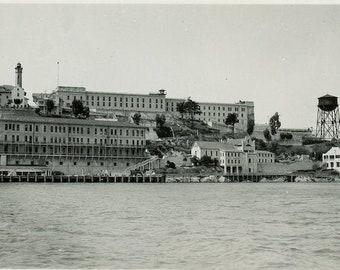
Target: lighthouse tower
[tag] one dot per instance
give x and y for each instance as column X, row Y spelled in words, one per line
column 19, row 99
column 18, row 75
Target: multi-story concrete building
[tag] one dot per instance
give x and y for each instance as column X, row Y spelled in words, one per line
column 103, row 101
column 14, row 96
column 236, row 156
column 217, row 112
column 332, row 158
column 5, row 95
column 69, row 145
column 107, row 102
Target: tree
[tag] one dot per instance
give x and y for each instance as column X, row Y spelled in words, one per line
column 188, row 107
column 207, row 161
column 192, row 108
column 136, row 118
column 49, row 105
column 250, row 126
column 272, row 146
column 180, row 107
column 260, row 144
column 266, row 134
column 86, row 112
column 231, row 120
column 77, row 107
column 195, row 161
column 274, row 123
column 170, row 164
column 160, row 120
column 286, row 136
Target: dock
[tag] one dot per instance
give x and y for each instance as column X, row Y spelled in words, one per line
column 81, row 179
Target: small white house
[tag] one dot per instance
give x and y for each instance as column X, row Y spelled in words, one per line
column 236, row 156
column 210, row 149
column 332, row 158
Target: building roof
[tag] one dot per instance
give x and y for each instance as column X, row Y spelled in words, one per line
column 327, row 96
column 6, row 88
column 28, row 116
column 125, row 94
column 71, row 88
column 215, row 145
column 263, row 152
column 201, row 103
column 77, row 89
column 235, row 141
column 333, row 150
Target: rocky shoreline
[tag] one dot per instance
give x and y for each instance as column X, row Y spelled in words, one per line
column 225, row 179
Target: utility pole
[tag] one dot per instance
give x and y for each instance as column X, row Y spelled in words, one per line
column 58, row 75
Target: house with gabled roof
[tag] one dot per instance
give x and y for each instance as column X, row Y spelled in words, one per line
column 332, row 158
column 236, row 156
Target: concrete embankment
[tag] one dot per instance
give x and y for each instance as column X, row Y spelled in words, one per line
column 261, row 179
column 217, row 179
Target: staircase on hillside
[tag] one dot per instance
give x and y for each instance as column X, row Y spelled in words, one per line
column 148, row 164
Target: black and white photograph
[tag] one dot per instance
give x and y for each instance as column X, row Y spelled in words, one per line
column 170, row 134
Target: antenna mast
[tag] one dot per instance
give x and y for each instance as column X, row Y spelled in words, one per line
column 58, row 75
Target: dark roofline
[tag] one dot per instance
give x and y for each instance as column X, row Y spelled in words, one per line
column 327, row 96
column 66, row 121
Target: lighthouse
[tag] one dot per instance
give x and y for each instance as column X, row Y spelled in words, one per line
column 18, row 75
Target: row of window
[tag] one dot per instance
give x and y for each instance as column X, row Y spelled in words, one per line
column 17, row 162
column 231, row 154
column 220, row 114
column 70, row 151
column 106, row 101
column 121, row 105
column 115, row 99
column 331, row 164
column 218, row 108
column 76, row 130
column 265, row 155
column 232, row 161
column 263, row 160
column 29, row 139
column 331, row 156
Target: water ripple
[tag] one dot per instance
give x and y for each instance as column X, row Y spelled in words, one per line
column 185, row 226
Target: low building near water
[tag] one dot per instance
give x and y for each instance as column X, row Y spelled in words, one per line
column 236, row 156
column 69, row 145
column 332, row 158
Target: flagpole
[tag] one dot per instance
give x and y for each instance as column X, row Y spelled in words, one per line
column 58, row 75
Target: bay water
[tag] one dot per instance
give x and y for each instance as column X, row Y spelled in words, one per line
column 170, row 226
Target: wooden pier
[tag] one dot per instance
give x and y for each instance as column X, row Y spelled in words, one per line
column 81, row 179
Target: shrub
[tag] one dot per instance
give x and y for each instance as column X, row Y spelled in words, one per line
column 164, row 132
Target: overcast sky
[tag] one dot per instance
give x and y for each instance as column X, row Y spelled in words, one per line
column 281, row 57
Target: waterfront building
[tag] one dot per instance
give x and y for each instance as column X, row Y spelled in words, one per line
column 332, row 158
column 152, row 103
column 236, row 156
column 69, row 145
column 14, row 96
column 210, row 149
